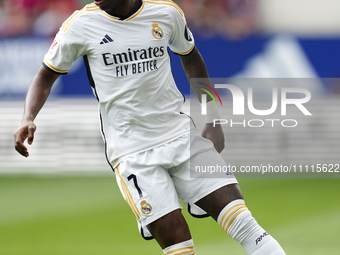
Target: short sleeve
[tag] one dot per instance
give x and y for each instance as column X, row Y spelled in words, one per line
column 66, row 48
column 182, row 40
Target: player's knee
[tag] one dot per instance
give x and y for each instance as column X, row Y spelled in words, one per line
column 216, row 201
column 170, row 229
column 186, row 247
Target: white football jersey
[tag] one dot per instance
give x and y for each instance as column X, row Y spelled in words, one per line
column 129, row 70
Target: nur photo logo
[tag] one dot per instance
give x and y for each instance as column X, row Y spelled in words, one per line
column 245, row 101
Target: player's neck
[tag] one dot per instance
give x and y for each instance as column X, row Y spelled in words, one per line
column 128, row 7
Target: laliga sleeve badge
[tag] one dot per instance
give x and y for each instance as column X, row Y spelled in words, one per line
column 54, row 46
column 157, row 32
column 145, row 207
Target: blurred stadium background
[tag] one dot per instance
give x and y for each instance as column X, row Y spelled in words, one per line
column 63, row 198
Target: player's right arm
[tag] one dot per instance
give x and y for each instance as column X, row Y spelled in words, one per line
column 67, row 47
column 37, row 94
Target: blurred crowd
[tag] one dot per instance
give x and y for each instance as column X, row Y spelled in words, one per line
column 227, row 18
column 34, row 17
column 232, row 19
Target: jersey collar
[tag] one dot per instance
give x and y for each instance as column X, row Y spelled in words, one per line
column 131, row 15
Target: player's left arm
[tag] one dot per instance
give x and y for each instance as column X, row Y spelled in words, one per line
column 194, row 67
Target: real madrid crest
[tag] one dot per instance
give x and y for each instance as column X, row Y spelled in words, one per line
column 157, row 32
column 145, row 207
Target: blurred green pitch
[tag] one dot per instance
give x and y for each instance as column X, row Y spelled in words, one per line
column 87, row 215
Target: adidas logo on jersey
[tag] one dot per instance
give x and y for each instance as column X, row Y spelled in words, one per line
column 106, row 39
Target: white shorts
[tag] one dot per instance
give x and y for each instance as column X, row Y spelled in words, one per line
column 152, row 181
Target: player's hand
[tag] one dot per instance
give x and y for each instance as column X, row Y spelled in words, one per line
column 214, row 134
column 25, row 131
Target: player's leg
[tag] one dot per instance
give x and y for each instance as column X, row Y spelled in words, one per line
column 148, row 188
column 172, row 233
column 227, row 207
column 220, row 198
